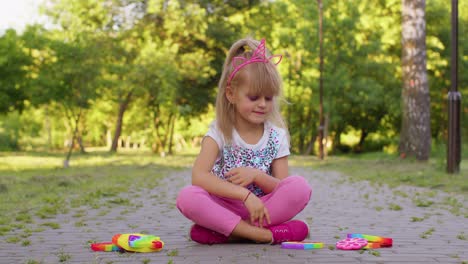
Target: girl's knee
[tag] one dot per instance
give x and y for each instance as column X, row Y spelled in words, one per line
column 299, row 186
column 187, row 196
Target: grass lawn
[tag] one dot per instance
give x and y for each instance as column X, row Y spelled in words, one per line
column 34, row 185
column 391, row 170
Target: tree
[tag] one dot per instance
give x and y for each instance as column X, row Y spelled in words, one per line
column 13, row 65
column 66, row 69
column 295, row 38
column 321, row 130
column 113, row 23
column 176, row 29
column 415, row 134
column 161, row 62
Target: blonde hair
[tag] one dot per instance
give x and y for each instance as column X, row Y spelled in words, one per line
column 261, row 78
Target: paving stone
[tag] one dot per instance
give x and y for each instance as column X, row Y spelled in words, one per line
column 338, row 206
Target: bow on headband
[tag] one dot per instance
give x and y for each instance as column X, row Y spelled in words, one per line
column 257, row 56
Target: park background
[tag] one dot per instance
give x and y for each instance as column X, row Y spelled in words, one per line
column 122, row 91
column 143, row 74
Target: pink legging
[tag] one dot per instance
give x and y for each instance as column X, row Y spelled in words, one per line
column 222, row 214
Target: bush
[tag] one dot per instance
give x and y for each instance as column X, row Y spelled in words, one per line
column 8, row 142
column 9, row 132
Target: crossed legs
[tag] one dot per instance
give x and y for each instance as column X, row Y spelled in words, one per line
column 230, row 217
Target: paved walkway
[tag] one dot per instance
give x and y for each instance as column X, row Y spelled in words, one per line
column 422, row 232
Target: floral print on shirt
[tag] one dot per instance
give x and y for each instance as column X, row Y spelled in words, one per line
column 234, row 156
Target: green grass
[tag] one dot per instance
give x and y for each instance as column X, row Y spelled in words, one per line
column 35, row 186
column 462, row 236
column 388, row 169
column 426, row 234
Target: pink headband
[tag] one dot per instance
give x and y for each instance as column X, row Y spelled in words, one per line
column 257, row 56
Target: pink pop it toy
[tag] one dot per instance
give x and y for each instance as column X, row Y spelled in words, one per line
column 351, row 243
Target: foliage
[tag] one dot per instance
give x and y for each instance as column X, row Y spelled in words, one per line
column 13, row 63
column 154, row 65
column 10, row 132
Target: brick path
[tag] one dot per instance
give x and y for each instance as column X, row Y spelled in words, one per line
column 338, row 207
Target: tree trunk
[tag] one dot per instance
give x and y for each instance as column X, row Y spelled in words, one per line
column 306, row 148
column 171, row 136
column 79, row 139
column 360, row 146
column 157, row 145
column 321, row 118
column 302, row 133
column 310, row 147
column 66, row 162
column 167, row 134
column 118, row 127
column 48, row 128
column 415, row 135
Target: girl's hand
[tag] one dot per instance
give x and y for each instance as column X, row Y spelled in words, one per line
column 257, row 210
column 242, row 176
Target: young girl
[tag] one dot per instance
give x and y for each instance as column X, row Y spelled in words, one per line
column 241, row 188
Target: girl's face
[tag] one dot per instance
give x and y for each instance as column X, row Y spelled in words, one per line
column 250, row 107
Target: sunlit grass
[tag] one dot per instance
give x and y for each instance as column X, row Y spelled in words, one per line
column 390, row 169
column 22, row 161
column 35, row 185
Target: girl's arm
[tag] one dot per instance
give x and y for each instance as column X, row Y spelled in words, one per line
column 279, row 171
column 202, row 176
column 280, row 168
column 244, row 176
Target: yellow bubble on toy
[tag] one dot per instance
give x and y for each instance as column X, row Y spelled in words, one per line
column 138, row 242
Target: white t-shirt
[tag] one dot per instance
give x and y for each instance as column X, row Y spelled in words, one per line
column 273, row 145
